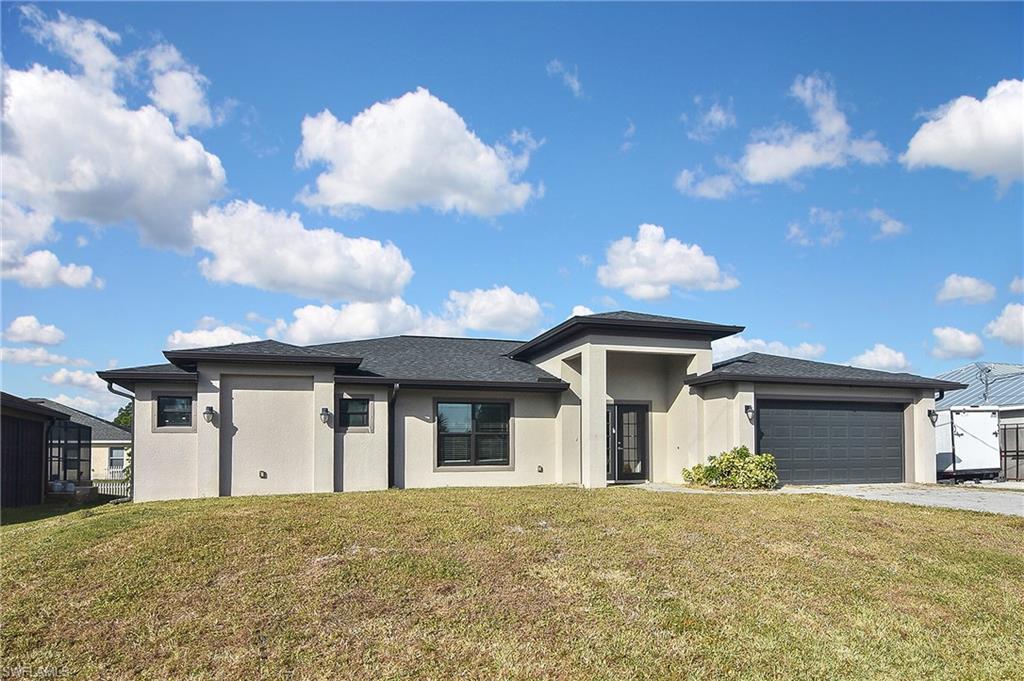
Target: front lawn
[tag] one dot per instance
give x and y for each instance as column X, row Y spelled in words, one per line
column 515, row 583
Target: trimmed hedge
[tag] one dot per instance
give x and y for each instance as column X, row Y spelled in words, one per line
column 735, row 469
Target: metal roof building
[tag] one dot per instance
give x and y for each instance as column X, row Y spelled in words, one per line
column 988, row 384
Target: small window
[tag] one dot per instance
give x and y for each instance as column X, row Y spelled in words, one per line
column 115, row 461
column 173, row 412
column 473, row 433
column 353, row 413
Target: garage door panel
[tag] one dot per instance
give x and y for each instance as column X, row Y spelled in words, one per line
column 833, row 442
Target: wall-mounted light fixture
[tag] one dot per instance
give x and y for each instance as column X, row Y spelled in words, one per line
column 208, row 414
column 749, row 411
column 933, row 416
column 325, row 415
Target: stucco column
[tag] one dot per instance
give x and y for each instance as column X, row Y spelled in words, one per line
column 208, row 434
column 919, row 445
column 593, row 417
column 323, row 433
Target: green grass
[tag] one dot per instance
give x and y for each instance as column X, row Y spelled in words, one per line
column 516, row 583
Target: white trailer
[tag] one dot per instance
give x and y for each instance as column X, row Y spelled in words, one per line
column 967, row 443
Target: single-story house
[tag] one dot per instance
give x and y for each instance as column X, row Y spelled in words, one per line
column 24, row 427
column 599, row 399
column 980, row 428
column 109, row 443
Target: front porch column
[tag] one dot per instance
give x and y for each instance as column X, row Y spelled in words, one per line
column 593, row 443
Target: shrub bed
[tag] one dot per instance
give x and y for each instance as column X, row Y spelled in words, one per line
column 735, row 469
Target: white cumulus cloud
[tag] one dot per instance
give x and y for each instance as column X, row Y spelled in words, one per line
column 580, row 311
column 733, row 346
column 984, row 138
column 36, row 356
column 967, row 289
column 413, row 151
column 325, row 323
column 497, row 309
column 698, row 184
column 272, row 250
column 74, row 149
column 951, row 342
column 28, row 329
column 1017, row 285
column 1008, row 326
column 783, row 152
column 204, row 337
column 77, row 378
column 23, row 229
column 647, row 267
column 881, row 357
column 178, row 89
column 888, row 226
column 711, row 119
column 102, row 404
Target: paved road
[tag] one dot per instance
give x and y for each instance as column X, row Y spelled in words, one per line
column 968, row 498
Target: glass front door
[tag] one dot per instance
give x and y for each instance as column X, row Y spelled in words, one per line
column 627, row 459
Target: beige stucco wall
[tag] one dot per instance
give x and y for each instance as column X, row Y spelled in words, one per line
column 533, row 441
column 361, row 455
column 266, row 434
column 165, row 465
column 605, row 368
column 101, row 458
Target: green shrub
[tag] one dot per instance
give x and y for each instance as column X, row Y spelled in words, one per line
column 736, row 469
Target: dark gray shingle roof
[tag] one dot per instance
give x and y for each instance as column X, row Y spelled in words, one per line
column 101, row 429
column 259, row 351
column 127, row 377
column 432, row 358
column 758, row 367
column 621, row 321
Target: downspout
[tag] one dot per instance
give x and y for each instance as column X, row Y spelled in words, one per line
column 392, row 399
column 131, row 482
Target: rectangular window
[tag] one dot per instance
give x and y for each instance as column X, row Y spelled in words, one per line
column 173, row 412
column 353, row 413
column 473, row 433
column 115, row 461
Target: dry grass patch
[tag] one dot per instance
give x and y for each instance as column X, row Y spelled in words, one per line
column 516, row 583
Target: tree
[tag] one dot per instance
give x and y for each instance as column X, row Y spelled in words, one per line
column 124, row 416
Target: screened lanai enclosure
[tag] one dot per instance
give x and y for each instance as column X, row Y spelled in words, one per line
column 69, row 447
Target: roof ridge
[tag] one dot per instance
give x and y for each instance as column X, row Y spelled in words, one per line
column 848, row 366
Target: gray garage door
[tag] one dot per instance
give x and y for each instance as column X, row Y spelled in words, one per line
column 832, row 442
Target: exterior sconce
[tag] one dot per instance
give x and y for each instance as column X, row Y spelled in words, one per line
column 933, row 416
column 208, row 414
column 324, row 415
column 749, row 411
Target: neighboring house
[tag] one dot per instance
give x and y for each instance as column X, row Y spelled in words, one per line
column 24, row 426
column 979, row 431
column 598, row 399
column 105, row 456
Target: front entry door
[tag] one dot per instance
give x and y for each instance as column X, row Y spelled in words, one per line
column 627, row 442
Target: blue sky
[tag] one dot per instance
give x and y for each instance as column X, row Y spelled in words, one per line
column 167, row 147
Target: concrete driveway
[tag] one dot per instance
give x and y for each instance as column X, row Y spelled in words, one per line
column 1006, row 500
column 967, row 498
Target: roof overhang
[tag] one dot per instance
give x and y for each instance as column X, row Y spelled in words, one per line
column 189, row 359
column 554, row 385
column 924, row 384
column 577, row 326
column 128, row 379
